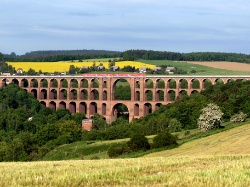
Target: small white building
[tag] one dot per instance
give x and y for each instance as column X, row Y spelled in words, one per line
column 170, row 70
column 19, row 70
column 143, row 69
column 101, row 68
column 157, row 69
column 114, row 68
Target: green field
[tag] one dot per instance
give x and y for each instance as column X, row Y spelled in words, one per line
column 200, row 70
column 221, row 159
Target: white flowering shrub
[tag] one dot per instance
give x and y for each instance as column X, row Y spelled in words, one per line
column 240, row 117
column 210, row 117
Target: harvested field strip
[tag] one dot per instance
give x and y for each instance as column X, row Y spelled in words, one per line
column 225, row 65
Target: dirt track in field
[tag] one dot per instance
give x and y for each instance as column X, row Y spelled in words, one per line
column 225, row 65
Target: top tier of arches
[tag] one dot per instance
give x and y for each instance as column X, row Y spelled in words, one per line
column 147, row 82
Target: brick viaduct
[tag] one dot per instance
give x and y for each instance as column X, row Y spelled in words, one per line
column 94, row 93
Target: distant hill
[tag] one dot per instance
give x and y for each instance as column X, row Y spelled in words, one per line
column 233, row 141
column 68, row 52
column 61, row 55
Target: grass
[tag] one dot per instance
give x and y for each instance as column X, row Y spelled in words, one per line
column 200, row 70
column 230, row 141
column 98, row 149
column 219, row 159
column 219, row 170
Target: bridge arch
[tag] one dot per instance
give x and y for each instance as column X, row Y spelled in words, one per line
column 53, row 83
column 84, row 94
column 15, row 81
column 72, row 107
column 52, row 105
column 83, row 107
column 121, row 89
column 34, row 93
column 171, row 84
column 44, row 83
column 120, row 109
column 147, row 108
column 33, row 83
column 24, row 83
column 44, row 94
column 160, row 83
column 92, row 108
column 136, row 109
column 62, row 105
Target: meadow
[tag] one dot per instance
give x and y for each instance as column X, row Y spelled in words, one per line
column 212, row 170
column 64, row 66
column 220, row 159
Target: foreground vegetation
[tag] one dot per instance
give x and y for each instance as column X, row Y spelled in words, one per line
column 220, row 170
column 232, row 139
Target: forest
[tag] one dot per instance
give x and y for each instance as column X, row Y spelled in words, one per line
column 68, row 55
column 28, row 130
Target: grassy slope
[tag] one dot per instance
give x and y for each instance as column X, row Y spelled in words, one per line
column 200, row 70
column 233, row 141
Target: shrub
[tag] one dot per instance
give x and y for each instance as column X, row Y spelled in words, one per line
column 240, row 117
column 115, row 151
column 174, row 125
column 138, row 142
column 164, row 139
column 211, row 117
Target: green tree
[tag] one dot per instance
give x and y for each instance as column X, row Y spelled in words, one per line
column 98, row 122
column 31, row 72
column 72, row 69
column 138, row 142
column 164, row 139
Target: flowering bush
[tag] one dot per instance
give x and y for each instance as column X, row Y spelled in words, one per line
column 211, row 117
column 240, row 117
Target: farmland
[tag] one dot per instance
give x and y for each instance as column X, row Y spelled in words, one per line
column 64, row 66
column 219, row 170
column 202, row 68
column 225, row 65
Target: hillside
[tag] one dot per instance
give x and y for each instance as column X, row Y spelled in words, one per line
column 233, row 141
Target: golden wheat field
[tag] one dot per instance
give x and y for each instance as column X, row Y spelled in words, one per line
column 64, row 66
column 209, row 171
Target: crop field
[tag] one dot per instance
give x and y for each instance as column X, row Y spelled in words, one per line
column 64, row 66
column 202, row 68
column 219, row 170
column 225, row 65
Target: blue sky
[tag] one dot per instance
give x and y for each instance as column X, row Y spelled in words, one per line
column 165, row 25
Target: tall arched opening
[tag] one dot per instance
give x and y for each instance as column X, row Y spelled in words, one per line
column 121, row 90
column 92, row 108
column 147, row 109
column 72, row 107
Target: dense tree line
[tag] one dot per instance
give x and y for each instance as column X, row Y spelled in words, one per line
column 197, row 56
column 28, row 130
column 60, row 55
column 67, row 55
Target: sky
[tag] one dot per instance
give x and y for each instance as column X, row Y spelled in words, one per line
column 119, row 25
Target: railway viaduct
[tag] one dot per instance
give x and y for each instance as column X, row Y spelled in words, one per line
column 94, row 93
